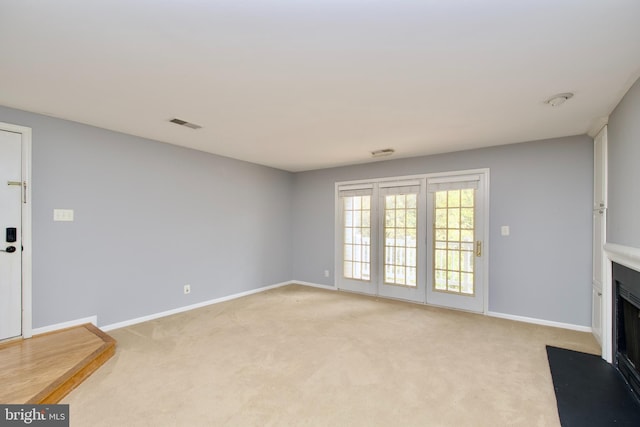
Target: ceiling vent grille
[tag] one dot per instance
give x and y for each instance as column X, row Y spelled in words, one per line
column 383, row 152
column 185, row 123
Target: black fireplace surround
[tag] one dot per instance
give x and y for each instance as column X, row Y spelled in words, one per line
column 626, row 324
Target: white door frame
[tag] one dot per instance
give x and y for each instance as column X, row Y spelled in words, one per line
column 481, row 262
column 404, row 293
column 368, row 287
column 26, row 225
column 600, row 208
column 486, row 247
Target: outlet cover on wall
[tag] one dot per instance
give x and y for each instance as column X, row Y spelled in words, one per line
column 187, row 289
column 63, row 214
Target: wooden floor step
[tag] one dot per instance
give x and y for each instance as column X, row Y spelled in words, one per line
column 45, row 368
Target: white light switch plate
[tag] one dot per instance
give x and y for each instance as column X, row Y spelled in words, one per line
column 63, row 214
column 504, row 230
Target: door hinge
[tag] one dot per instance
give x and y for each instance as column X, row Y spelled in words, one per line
column 478, row 248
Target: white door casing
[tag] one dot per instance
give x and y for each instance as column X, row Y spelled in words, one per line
column 356, row 236
column 377, row 281
column 402, row 266
column 475, row 247
column 600, row 262
column 10, row 249
column 362, row 247
column 15, row 212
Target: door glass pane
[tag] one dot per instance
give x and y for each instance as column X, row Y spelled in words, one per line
column 453, row 245
column 400, row 231
column 440, row 282
column 357, row 237
column 411, row 276
column 411, row 238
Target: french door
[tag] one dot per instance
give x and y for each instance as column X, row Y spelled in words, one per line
column 402, row 243
column 455, row 211
column 357, row 211
column 382, row 242
column 413, row 239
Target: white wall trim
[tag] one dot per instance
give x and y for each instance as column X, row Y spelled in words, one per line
column 625, row 255
column 27, row 331
column 484, row 172
column 313, row 285
column 540, row 322
column 410, row 177
column 64, row 325
column 607, row 312
column 629, row 257
column 94, row 319
column 154, row 316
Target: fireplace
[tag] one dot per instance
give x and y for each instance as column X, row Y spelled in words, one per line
column 626, row 324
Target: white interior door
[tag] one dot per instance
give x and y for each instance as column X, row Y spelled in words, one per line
column 599, row 230
column 10, row 234
column 456, row 215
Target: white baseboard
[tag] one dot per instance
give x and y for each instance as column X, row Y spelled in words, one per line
column 154, row 316
column 313, row 285
column 94, row 319
column 540, row 322
column 71, row 323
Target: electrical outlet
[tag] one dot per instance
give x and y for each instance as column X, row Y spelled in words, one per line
column 187, row 289
column 326, row 273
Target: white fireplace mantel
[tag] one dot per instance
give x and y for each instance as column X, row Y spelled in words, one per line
column 625, row 255
column 629, row 257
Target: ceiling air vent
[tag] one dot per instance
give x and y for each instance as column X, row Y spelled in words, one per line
column 383, row 152
column 185, row 123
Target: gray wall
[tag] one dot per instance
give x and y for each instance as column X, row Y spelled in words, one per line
column 623, row 221
column 149, row 218
column 543, row 190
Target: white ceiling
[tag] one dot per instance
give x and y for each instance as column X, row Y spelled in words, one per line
column 300, row 84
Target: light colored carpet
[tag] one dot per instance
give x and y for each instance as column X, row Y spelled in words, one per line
column 310, row 357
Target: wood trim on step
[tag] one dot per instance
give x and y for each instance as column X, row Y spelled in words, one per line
column 76, row 375
column 61, row 386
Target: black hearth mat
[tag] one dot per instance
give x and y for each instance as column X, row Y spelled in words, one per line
column 590, row 392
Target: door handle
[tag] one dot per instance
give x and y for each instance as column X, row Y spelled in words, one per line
column 9, row 249
column 23, row 184
column 478, row 248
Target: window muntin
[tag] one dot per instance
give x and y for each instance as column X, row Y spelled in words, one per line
column 454, row 237
column 357, row 237
column 400, row 239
